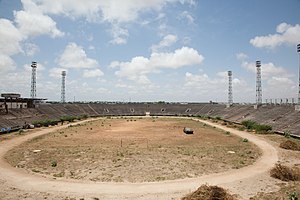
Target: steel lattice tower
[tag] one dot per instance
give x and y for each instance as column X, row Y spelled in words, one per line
column 63, row 86
column 33, row 80
column 230, row 96
column 258, row 84
column 298, row 50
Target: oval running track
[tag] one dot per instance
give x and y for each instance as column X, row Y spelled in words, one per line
column 18, row 178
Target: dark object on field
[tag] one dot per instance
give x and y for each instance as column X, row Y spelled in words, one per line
column 290, row 145
column 188, row 130
column 285, row 173
column 206, row 192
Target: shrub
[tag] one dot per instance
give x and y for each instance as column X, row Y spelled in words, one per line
column 260, row 128
column 293, row 196
column 249, row 124
column 285, row 173
column 218, row 118
column 206, row 192
column 46, row 122
column 68, row 118
column 290, row 145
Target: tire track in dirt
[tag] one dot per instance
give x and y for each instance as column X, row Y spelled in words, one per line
column 20, row 179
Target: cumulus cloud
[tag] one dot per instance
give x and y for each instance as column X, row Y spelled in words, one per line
column 139, row 67
column 241, row 56
column 277, row 82
column 74, row 56
column 28, row 22
column 32, row 22
column 10, row 39
column 217, row 86
column 92, row 73
column 167, row 41
column 267, row 69
column 119, row 35
column 110, row 11
column 6, row 64
column 31, row 49
column 56, row 72
column 286, row 34
column 99, row 11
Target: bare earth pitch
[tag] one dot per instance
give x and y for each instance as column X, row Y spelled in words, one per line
column 133, row 150
column 85, row 187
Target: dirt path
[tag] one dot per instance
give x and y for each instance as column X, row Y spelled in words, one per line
column 158, row 190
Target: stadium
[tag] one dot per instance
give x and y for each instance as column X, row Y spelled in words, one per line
column 142, row 145
column 216, row 109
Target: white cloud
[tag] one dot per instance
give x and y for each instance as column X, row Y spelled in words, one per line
column 10, row 38
column 186, row 15
column 167, row 41
column 216, row 87
column 75, row 57
column 56, row 72
column 31, row 49
column 92, row 73
column 286, row 34
column 32, row 22
column 119, row 35
column 267, row 69
column 277, row 82
column 115, row 12
column 279, row 87
column 111, row 11
column 6, row 64
column 138, row 67
column 241, row 56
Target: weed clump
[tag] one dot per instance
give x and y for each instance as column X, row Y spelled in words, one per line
column 290, row 145
column 54, row 163
column 206, row 192
column 285, row 173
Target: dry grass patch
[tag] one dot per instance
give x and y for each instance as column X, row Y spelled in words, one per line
column 133, row 150
column 290, row 145
column 206, row 192
column 285, row 173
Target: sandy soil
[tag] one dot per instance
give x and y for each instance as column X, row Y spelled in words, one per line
column 133, row 150
column 17, row 182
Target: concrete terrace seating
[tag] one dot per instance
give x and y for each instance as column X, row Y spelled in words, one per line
column 280, row 117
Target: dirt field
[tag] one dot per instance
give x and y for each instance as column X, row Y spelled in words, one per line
column 133, row 150
column 250, row 182
column 286, row 157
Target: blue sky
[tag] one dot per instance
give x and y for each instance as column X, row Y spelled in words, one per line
column 152, row 50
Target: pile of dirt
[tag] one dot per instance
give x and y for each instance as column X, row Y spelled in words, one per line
column 290, row 145
column 206, row 192
column 285, row 173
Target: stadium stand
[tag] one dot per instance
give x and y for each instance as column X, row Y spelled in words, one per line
column 280, row 117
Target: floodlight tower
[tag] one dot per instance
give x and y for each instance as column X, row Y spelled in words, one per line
column 258, row 84
column 298, row 50
column 33, row 80
column 230, row 97
column 63, row 86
